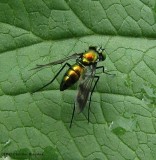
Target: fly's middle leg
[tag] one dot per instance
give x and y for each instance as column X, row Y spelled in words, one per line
column 97, row 79
column 90, row 98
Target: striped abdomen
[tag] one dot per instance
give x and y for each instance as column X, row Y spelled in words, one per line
column 71, row 76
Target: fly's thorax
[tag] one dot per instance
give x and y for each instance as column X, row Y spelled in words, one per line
column 71, row 76
column 89, row 57
column 101, row 54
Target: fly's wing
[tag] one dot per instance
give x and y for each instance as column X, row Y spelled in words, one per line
column 84, row 88
column 74, row 56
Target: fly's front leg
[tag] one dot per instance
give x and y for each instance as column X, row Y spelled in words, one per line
column 103, row 70
column 66, row 64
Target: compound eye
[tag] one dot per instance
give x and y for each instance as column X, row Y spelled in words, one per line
column 103, row 55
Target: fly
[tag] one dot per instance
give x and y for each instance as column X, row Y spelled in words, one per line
column 82, row 71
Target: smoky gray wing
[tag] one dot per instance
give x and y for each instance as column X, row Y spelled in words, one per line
column 84, row 88
column 74, row 56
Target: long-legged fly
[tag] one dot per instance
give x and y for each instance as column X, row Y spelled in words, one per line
column 82, row 71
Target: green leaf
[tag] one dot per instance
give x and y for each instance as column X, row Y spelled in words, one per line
column 123, row 108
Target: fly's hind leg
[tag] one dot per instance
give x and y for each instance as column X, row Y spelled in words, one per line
column 72, row 116
column 66, row 64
